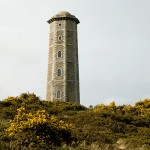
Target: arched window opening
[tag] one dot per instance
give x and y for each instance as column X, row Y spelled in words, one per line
column 58, row 94
column 59, row 38
column 59, row 72
column 59, row 54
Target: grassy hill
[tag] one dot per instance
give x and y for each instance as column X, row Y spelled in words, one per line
column 63, row 125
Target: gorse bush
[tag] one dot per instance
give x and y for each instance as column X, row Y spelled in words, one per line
column 44, row 125
column 38, row 128
column 23, row 98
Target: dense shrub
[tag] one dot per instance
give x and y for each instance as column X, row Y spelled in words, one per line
column 104, row 126
column 27, row 128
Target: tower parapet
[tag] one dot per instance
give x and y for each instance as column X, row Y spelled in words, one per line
column 63, row 15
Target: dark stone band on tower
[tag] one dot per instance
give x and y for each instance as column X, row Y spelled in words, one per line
column 63, row 18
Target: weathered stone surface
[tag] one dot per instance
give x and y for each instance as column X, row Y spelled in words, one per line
column 63, row 71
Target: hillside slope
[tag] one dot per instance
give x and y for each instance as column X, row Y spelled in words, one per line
column 102, row 127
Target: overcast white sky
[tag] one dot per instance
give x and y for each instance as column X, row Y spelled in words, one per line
column 114, row 48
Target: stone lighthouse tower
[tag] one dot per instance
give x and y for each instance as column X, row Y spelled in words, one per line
column 63, row 72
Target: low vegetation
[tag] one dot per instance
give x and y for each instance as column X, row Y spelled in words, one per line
column 26, row 122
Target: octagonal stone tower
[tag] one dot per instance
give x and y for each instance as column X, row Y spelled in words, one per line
column 63, row 72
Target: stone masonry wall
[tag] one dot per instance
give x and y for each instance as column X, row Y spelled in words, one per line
column 63, row 59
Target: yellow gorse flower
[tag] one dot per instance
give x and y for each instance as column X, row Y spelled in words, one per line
column 24, row 121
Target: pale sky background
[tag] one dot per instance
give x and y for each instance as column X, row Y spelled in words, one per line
column 114, row 48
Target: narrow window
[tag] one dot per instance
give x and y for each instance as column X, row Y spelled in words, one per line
column 58, row 94
column 59, row 24
column 59, row 38
column 59, row 53
column 59, row 72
